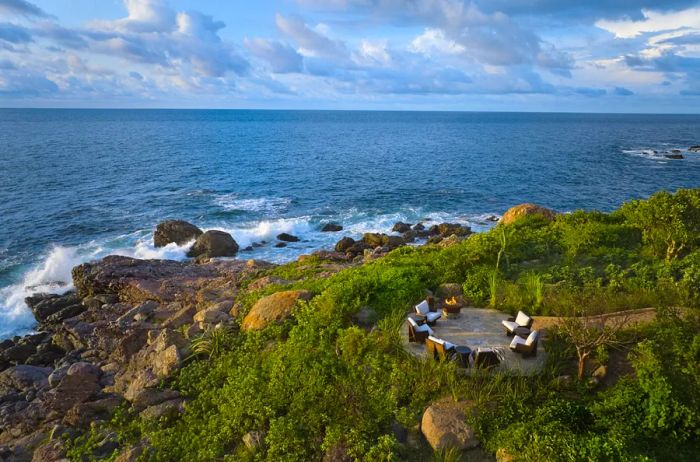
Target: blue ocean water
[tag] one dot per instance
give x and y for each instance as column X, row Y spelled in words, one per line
column 79, row 184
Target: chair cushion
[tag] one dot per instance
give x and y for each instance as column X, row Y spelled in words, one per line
column 532, row 338
column 423, row 328
column 522, row 320
column 510, row 325
column 431, row 317
column 517, row 341
column 449, row 346
column 423, row 308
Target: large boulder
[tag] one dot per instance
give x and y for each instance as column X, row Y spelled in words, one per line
column 178, row 231
column 445, row 426
column 287, row 237
column 523, row 210
column 214, row 243
column 273, row 308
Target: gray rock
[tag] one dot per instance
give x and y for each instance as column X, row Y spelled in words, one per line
column 214, row 243
column 178, row 231
column 331, row 228
column 287, row 237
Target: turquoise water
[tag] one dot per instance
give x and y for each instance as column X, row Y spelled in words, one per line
column 79, row 184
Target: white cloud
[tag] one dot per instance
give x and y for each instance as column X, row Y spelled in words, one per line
column 654, row 21
column 433, row 42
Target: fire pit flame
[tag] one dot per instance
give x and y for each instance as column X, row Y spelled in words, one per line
column 451, row 301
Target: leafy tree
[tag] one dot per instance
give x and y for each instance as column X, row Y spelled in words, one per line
column 670, row 223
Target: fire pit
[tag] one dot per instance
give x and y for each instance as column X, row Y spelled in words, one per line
column 451, row 307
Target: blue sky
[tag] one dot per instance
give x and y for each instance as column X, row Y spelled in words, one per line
column 500, row 55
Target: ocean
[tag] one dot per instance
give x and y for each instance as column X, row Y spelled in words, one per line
column 76, row 185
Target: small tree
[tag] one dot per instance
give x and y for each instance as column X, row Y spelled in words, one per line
column 588, row 331
column 670, row 223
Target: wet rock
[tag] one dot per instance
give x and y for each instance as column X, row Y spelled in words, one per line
column 674, row 156
column 273, row 308
column 344, row 244
column 45, row 305
column 279, row 245
column 65, row 313
column 419, row 227
column 522, row 210
column 401, row 227
column 214, row 243
column 175, row 231
column 287, row 237
column 331, row 228
column 695, row 148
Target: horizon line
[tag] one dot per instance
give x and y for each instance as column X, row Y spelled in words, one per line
column 340, row 110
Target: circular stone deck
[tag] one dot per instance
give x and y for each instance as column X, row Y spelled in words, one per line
column 481, row 327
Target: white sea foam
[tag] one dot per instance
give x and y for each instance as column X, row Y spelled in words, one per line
column 52, row 275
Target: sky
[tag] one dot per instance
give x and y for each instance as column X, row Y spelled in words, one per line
column 458, row 55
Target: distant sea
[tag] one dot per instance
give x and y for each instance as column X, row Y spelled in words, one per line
column 76, row 185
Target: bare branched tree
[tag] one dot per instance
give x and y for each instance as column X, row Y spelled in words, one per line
column 587, row 331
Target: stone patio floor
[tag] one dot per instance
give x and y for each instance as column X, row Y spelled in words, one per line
column 481, row 327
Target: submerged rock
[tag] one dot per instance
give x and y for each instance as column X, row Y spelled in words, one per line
column 674, row 156
column 331, row 228
column 695, row 148
column 287, row 237
column 214, row 243
column 175, row 231
column 522, row 210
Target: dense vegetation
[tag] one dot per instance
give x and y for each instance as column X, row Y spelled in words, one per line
column 319, row 385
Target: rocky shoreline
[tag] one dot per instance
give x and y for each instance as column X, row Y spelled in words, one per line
column 126, row 328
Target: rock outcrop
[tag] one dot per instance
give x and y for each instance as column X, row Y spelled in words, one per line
column 121, row 344
column 523, row 210
column 175, row 231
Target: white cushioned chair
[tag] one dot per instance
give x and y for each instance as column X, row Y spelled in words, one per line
column 522, row 320
column 423, row 310
column 418, row 332
column 527, row 347
column 441, row 349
